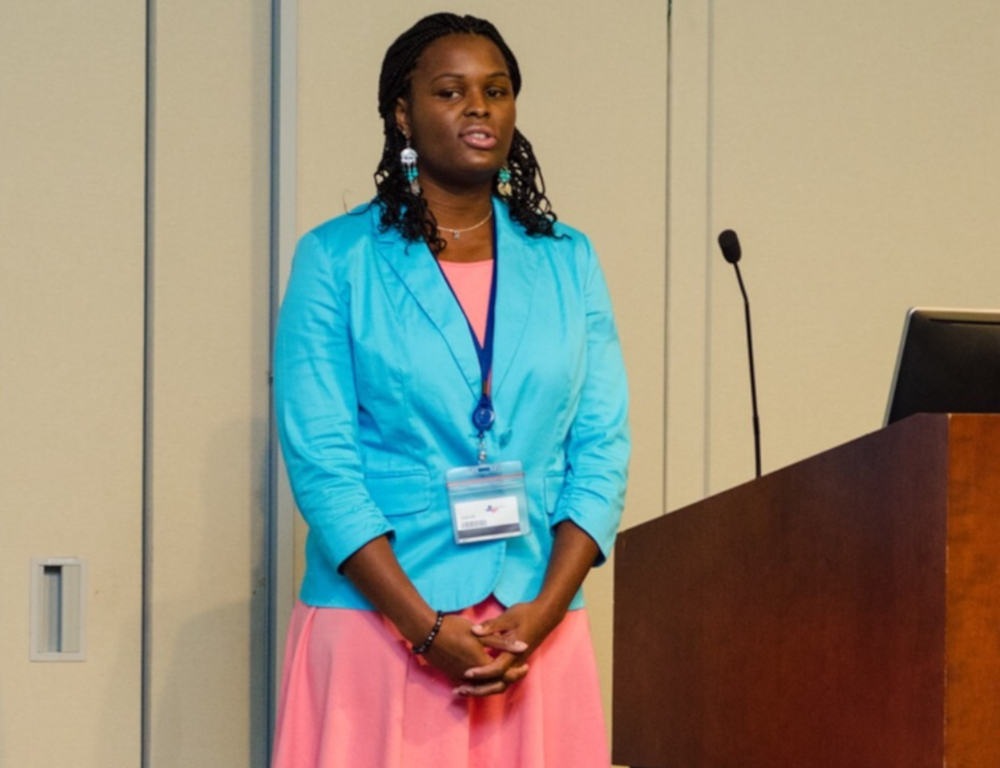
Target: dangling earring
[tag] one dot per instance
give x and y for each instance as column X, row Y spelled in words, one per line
column 408, row 159
column 503, row 182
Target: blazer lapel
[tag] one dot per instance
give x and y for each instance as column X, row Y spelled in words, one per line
column 516, row 267
column 420, row 276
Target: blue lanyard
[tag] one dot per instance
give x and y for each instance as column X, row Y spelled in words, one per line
column 483, row 414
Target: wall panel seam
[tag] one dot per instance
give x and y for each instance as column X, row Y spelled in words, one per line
column 147, row 385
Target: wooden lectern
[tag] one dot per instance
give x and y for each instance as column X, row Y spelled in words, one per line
column 843, row 612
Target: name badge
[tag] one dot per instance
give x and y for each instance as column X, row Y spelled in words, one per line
column 488, row 501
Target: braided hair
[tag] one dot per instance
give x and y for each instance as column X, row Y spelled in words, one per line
column 409, row 212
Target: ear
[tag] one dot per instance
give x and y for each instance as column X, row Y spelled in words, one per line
column 403, row 117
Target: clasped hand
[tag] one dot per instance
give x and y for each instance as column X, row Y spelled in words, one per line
column 488, row 658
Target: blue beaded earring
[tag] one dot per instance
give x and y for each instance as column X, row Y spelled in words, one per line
column 408, row 159
column 503, row 182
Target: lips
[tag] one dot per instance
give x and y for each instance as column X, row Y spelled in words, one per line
column 479, row 137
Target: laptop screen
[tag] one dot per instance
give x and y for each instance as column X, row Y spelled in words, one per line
column 948, row 362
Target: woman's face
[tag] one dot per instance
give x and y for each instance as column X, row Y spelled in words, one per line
column 460, row 112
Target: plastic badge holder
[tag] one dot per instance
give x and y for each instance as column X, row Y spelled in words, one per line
column 488, row 501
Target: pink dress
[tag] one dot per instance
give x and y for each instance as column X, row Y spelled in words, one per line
column 353, row 695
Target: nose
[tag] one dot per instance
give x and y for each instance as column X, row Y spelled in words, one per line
column 476, row 103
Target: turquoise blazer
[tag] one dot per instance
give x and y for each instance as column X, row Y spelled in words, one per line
column 375, row 380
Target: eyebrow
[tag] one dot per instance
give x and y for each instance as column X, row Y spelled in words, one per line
column 461, row 76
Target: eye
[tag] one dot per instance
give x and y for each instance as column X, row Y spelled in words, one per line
column 449, row 93
column 496, row 92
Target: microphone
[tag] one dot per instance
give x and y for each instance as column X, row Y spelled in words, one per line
column 730, row 245
column 731, row 251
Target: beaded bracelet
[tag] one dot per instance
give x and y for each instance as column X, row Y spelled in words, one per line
column 426, row 644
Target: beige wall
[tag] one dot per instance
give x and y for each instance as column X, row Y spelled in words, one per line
column 71, row 357
column 854, row 148
column 73, row 382
column 208, row 385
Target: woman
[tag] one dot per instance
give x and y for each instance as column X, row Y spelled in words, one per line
column 452, row 409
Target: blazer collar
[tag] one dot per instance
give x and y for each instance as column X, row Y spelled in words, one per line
column 517, row 264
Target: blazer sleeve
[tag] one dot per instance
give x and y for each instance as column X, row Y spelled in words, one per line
column 316, row 407
column 599, row 442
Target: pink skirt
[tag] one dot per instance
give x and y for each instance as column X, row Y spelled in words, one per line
column 354, row 696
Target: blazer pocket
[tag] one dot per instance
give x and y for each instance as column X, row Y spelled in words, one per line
column 400, row 493
column 553, row 490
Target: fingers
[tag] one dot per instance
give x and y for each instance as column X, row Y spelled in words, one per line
column 492, row 678
column 492, row 687
column 498, row 625
column 455, row 649
column 504, row 667
column 506, row 639
column 494, row 670
column 516, row 673
column 486, row 689
column 486, row 628
column 500, row 634
column 504, row 643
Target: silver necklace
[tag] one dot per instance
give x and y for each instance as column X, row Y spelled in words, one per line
column 456, row 232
